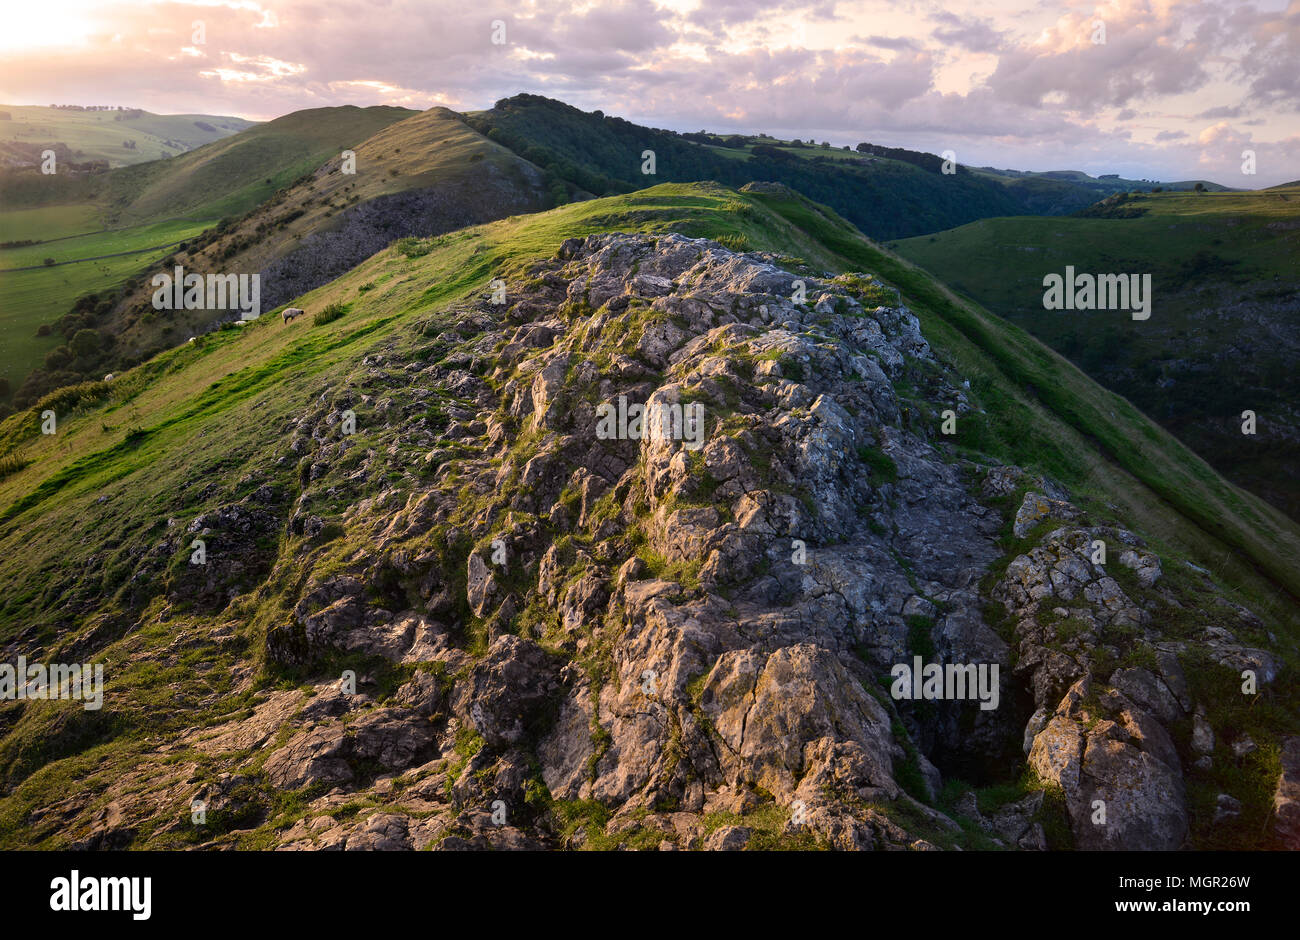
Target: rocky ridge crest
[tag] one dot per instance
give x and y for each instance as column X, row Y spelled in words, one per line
column 571, row 639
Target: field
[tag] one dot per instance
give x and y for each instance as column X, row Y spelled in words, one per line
column 29, row 299
column 47, row 223
column 98, row 244
column 103, row 135
column 1004, row 260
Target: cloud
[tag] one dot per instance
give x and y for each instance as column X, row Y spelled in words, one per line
column 896, row 43
column 967, row 33
column 999, row 82
column 1223, row 111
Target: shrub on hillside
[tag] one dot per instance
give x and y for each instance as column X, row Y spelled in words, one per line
column 58, row 357
column 413, row 247
column 11, row 463
column 63, row 400
column 329, row 314
column 85, row 343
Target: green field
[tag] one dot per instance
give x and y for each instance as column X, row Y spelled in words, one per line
column 30, row 299
column 48, row 223
column 806, row 152
column 93, row 245
column 1004, row 260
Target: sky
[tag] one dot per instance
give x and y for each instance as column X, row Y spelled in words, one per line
column 1165, row 90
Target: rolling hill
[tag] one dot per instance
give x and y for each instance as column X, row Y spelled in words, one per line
column 109, row 226
column 1064, row 192
column 424, row 175
column 616, row 636
column 887, row 192
column 885, row 197
column 1222, row 337
column 116, row 138
column 84, row 221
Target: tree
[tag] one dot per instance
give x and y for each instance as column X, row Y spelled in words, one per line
column 1199, row 187
column 58, row 357
column 85, row 343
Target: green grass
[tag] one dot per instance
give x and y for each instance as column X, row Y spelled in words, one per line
column 1219, row 263
column 47, row 223
column 31, row 299
column 136, row 238
column 882, row 466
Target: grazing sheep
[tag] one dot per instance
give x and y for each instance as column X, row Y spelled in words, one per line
column 291, row 312
column 109, row 377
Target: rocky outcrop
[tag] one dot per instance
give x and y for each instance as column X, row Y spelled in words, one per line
column 731, row 575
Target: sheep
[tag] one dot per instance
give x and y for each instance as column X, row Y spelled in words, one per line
column 109, row 377
column 291, row 312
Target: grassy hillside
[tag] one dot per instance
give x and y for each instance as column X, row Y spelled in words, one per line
column 1040, row 410
column 119, row 138
column 222, row 178
column 886, row 198
column 424, row 175
column 145, row 209
column 1224, row 332
column 82, row 512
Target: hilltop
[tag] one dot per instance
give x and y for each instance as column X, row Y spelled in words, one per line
column 1222, row 337
column 633, row 642
column 887, row 192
